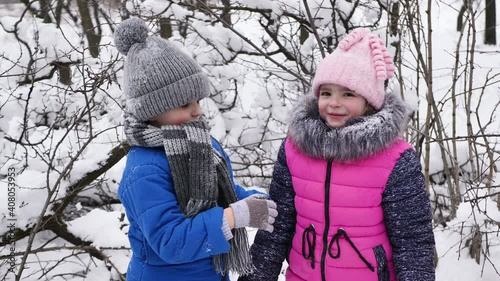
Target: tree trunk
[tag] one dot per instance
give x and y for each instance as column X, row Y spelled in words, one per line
column 45, row 11
column 490, row 37
column 394, row 19
column 88, row 28
column 304, row 34
column 64, row 73
column 165, row 28
column 58, row 13
column 460, row 18
column 226, row 12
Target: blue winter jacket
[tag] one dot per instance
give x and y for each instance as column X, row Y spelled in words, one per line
column 165, row 244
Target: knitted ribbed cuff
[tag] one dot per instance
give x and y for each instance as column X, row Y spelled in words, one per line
column 226, row 229
column 241, row 214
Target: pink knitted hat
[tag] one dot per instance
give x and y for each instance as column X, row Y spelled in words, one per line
column 361, row 63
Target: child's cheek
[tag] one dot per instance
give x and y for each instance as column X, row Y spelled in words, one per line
column 178, row 120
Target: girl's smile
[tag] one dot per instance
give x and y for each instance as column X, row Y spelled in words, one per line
column 337, row 104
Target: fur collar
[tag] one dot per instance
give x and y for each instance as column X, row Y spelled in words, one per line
column 359, row 138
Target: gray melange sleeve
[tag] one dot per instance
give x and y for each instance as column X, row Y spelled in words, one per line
column 226, row 229
column 270, row 249
column 408, row 218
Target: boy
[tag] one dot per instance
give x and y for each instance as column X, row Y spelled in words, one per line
column 187, row 216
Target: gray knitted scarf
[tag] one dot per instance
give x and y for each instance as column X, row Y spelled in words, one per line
column 201, row 178
column 360, row 137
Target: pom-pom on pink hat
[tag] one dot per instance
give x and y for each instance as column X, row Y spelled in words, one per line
column 361, row 62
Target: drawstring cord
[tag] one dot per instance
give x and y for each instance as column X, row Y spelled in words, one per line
column 336, row 238
column 308, row 235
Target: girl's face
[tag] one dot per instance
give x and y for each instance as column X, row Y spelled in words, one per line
column 179, row 115
column 337, row 104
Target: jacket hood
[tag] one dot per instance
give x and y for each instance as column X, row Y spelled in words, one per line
column 360, row 137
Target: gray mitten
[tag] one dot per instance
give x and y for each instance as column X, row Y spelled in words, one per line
column 255, row 211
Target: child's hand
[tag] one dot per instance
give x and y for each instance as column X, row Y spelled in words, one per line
column 254, row 211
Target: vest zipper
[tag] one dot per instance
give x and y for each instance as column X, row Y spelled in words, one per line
column 327, row 218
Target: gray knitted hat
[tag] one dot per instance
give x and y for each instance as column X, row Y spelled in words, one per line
column 158, row 76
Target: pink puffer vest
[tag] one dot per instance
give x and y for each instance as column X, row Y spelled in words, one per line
column 353, row 194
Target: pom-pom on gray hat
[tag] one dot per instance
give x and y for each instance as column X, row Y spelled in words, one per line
column 158, row 76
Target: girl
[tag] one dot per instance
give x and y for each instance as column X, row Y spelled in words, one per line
column 187, row 216
column 351, row 196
